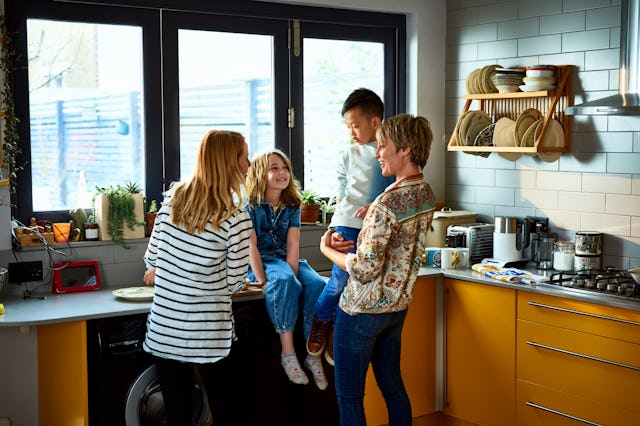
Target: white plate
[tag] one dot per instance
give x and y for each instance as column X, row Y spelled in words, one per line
column 137, row 294
column 529, row 88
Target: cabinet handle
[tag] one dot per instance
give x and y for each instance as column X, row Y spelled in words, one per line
column 564, row 351
column 571, row 311
column 560, row 413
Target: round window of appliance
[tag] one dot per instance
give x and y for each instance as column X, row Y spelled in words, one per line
column 145, row 405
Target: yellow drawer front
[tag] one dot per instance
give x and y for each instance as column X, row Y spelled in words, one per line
column 594, row 367
column 592, row 318
column 537, row 405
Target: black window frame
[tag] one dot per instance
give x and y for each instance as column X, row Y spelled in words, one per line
column 160, row 96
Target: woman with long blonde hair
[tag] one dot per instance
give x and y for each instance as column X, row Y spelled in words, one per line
column 197, row 256
column 274, row 255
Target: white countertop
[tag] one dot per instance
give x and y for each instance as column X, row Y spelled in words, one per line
column 102, row 303
column 73, row 307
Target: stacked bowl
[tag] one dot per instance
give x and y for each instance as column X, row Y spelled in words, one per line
column 508, row 80
column 539, row 77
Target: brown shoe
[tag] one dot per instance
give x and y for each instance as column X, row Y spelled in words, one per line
column 328, row 353
column 317, row 336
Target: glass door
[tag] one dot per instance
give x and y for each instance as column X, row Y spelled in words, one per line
column 223, row 77
column 333, row 61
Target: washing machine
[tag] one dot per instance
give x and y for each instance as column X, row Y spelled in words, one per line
column 123, row 384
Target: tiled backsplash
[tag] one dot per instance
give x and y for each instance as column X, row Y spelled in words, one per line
column 596, row 186
column 121, row 267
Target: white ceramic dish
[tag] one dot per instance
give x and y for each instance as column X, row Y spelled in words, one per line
column 541, row 71
column 635, row 274
column 539, row 81
column 135, row 294
column 529, row 88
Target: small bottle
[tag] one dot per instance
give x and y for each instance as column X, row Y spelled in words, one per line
column 564, row 256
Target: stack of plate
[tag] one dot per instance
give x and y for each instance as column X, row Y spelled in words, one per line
column 539, row 77
column 479, row 80
column 474, row 128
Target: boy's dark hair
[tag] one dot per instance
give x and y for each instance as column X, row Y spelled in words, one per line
column 367, row 100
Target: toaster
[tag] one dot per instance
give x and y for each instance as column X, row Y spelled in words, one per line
column 477, row 237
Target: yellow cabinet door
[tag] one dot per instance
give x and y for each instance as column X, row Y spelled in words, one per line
column 480, row 353
column 538, row 405
column 62, row 374
column 418, row 358
column 578, row 363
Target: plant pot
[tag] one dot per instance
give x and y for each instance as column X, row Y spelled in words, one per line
column 150, row 220
column 102, row 218
column 309, row 213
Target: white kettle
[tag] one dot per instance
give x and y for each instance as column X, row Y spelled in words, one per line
column 510, row 236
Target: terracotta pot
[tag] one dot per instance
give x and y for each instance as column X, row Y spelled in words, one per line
column 309, row 213
column 150, row 219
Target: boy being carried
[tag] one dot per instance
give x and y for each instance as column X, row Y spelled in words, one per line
column 360, row 181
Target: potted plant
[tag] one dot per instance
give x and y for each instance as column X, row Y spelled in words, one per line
column 150, row 216
column 328, row 207
column 309, row 207
column 120, row 211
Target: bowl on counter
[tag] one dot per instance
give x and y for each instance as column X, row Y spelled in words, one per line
column 635, row 274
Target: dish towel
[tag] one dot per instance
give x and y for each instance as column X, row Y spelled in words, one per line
column 508, row 275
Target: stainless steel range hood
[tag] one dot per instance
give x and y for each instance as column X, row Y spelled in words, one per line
column 627, row 101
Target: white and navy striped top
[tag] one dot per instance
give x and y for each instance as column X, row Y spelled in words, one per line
column 191, row 318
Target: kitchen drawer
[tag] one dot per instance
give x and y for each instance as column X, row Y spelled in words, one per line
column 594, row 367
column 617, row 323
column 537, row 405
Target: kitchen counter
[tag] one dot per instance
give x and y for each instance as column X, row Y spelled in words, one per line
column 543, row 288
column 102, row 303
column 87, row 305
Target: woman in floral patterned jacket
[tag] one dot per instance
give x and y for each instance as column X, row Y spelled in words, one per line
column 382, row 272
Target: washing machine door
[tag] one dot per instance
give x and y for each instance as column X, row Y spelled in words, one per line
column 145, row 405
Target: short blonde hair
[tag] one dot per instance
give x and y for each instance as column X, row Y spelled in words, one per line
column 256, row 183
column 408, row 131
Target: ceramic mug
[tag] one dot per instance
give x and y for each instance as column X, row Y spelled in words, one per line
column 433, row 256
column 454, row 258
column 449, row 258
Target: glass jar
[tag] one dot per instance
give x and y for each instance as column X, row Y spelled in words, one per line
column 91, row 231
column 564, row 256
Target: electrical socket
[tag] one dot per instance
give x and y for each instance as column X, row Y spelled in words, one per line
column 22, row 272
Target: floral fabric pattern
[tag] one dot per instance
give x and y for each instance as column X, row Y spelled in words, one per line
column 392, row 240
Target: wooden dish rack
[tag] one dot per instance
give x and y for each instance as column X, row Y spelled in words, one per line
column 551, row 103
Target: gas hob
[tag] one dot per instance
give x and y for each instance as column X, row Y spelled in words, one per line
column 609, row 282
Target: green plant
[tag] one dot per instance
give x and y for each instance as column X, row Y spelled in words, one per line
column 153, row 207
column 79, row 217
column 309, row 196
column 328, row 206
column 121, row 209
column 10, row 148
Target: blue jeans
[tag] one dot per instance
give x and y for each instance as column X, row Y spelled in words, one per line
column 328, row 300
column 358, row 340
column 284, row 291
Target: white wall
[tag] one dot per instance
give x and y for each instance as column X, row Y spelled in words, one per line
column 594, row 187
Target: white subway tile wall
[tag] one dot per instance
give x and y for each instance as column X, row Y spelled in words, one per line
column 596, row 186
